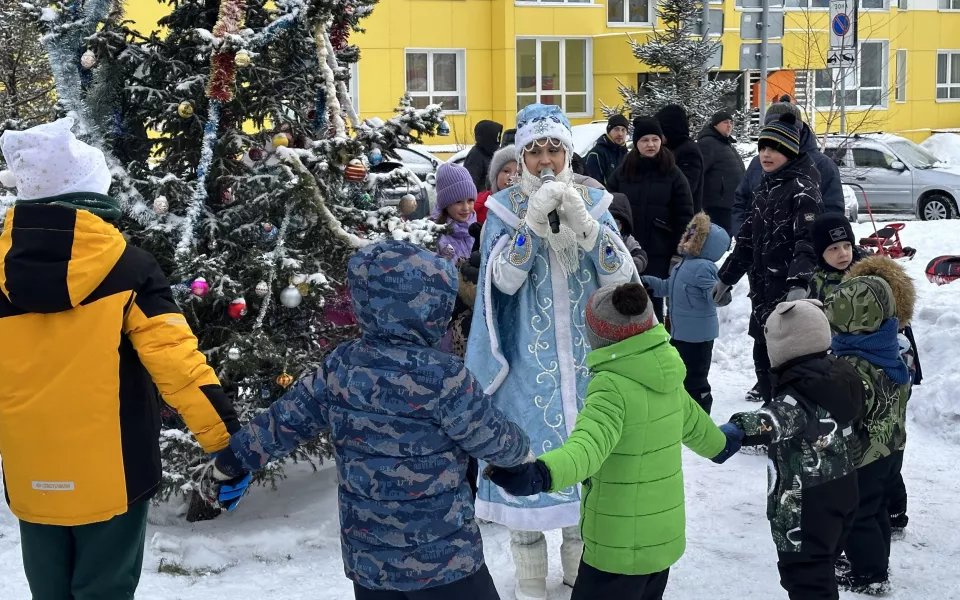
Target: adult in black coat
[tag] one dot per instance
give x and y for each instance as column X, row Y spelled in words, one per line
column 609, row 150
column 477, row 162
column 659, row 196
column 722, row 169
column 831, row 189
column 676, row 129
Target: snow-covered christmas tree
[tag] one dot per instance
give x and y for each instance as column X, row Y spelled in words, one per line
column 679, row 54
column 244, row 169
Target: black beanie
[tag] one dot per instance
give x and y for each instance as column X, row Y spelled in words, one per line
column 675, row 123
column 617, row 121
column 645, row 126
column 720, row 117
column 828, row 229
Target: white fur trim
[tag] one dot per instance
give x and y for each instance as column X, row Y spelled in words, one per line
column 498, row 249
column 627, row 272
column 506, row 215
column 530, row 519
column 564, row 339
column 506, row 277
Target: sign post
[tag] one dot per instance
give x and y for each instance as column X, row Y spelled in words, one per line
column 843, row 47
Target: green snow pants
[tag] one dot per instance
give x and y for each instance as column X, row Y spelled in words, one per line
column 100, row 561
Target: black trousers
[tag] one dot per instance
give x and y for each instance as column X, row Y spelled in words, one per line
column 761, row 363
column 478, row 586
column 594, row 584
column 697, row 357
column 826, row 518
column 896, row 490
column 868, row 545
column 721, row 216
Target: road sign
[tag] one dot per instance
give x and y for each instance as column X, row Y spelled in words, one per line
column 841, row 58
column 843, row 24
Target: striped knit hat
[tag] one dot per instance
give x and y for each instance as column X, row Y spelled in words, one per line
column 618, row 312
column 782, row 135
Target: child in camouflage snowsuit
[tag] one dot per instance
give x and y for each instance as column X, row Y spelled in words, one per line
column 404, row 418
column 865, row 311
column 812, row 427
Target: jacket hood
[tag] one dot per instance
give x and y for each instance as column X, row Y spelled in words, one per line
column 620, row 209
column 901, row 286
column 860, row 305
column 703, row 239
column 808, row 140
column 675, row 125
column 711, row 132
column 53, row 257
column 647, row 359
column 827, row 382
column 605, row 141
column 487, row 135
column 402, row 292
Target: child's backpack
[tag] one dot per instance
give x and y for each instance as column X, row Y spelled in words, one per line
column 943, row 269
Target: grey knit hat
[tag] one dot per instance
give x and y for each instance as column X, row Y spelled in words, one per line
column 618, row 312
column 500, row 158
column 796, row 329
column 777, row 109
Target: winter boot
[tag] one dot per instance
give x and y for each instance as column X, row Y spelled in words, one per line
column 842, row 566
column 898, row 525
column 754, row 394
column 570, row 553
column 530, row 559
column 870, row 585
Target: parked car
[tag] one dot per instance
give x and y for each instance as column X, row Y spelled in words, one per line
column 896, row 175
column 421, row 163
column 851, row 206
column 391, row 195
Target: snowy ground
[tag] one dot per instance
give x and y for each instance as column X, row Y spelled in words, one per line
column 285, row 545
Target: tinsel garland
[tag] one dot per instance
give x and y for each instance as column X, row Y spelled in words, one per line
column 342, row 91
column 328, row 87
column 223, row 68
column 199, row 195
column 278, row 255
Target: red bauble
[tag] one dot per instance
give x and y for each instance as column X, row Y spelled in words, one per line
column 355, row 171
column 237, row 309
column 255, row 154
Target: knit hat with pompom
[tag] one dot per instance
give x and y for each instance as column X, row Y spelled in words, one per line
column 618, row 312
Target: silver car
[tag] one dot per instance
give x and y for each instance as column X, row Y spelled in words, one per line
column 896, row 175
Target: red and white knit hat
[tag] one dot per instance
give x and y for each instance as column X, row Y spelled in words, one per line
column 618, row 312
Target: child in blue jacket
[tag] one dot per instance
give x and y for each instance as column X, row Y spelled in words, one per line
column 404, row 419
column 692, row 312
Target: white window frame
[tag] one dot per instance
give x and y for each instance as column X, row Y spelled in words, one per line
column 555, row 3
column 354, row 87
column 954, row 6
column 900, row 76
column 651, row 15
column 884, row 86
column 588, row 67
column 461, row 92
column 952, row 55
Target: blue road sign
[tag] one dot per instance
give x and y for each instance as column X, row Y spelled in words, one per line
column 841, row 24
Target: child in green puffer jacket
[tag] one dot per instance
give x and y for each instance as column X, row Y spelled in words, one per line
column 626, row 449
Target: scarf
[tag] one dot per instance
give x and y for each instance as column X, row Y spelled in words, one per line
column 880, row 348
column 459, row 239
column 563, row 243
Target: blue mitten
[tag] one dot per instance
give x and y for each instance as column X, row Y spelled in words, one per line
column 230, row 487
column 734, row 438
column 528, row 479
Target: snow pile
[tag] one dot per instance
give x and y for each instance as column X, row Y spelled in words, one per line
column 945, row 146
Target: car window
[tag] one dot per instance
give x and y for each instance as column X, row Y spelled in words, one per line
column 837, row 155
column 871, row 158
column 411, row 158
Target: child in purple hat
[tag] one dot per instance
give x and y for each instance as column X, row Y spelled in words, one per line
column 456, row 194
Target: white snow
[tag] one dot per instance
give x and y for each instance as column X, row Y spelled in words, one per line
column 945, row 146
column 49, row 14
column 284, row 545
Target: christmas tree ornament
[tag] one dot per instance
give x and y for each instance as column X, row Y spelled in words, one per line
column 291, row 296
column 355, row 171
column 407, row 205
column 160, row 205
column 265, row 392
column 443, row 129
column 233, row 353
column 285, row 380
column 242, row 58
column 237, row 309
column 227, row 196
column 376, row 157
column 199, row 287
column 270, row 232
column 303, row 288
column 281, row 140
column 88, row 60
column 262, row 289
column 255, row 154
column 185, row 109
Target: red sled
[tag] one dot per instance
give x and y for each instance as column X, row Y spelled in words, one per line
column 943, row 270
column 886, row 241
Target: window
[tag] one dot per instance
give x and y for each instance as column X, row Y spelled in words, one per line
column 874, row 4
column 903, row 4
column 866, row 85
column 437, row 77
column 868, row 158
column 354, row 87
column 901, row 89
column 948, row 75
column 949, row 4
column 807, row 3
column 554, row 72
column 837, row 155
column 629, row 12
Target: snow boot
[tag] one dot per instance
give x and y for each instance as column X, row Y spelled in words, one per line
column 754, row 394
column 870, row 585
column 571, row 551
column 530, row 559
column 842, row 566
column 898, row 525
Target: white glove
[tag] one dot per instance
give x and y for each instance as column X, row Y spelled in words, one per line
column 579, row 220
column 548, row 198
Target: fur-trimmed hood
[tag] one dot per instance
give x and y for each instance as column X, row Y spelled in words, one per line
column 704, row 239
column 904, row 292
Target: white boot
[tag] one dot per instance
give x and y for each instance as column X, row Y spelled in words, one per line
column 530, row 558
column 571, row 550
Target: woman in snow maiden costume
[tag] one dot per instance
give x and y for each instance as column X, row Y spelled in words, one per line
column 528, row 344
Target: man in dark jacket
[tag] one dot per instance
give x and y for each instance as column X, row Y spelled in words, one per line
column 608, row 152
column 830, row 188
column 676, row 127
column 507, row 138
column 722, row 169
column 487, row 136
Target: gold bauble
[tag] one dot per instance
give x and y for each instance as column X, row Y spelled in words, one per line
column 242, row 58
column 285, row 380
column 281, row 139
column 185, row 110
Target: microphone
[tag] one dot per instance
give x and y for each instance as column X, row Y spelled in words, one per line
column 554, row 218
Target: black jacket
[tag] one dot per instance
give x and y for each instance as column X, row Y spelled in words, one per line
column 662, row 206
column 774, row 247
column 477, row 162
column 722, row 168
column 676, row 127
column 622, row 213
column 831, row 189
column 604, row 158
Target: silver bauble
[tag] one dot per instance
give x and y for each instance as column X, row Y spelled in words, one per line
column 160, row 205
column 262, row 289
column 233, row 353
column 291, row 297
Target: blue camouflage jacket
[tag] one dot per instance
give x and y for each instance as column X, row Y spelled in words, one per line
column 404, row 419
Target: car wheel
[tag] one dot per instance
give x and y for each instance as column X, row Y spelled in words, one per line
column 937, row 207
